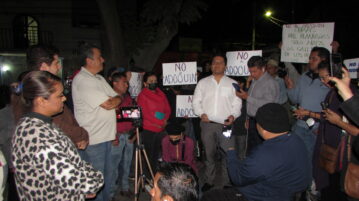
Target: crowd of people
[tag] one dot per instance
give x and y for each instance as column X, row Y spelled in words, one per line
column 293, row 135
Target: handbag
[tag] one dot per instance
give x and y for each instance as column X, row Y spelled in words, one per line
column 351, row 181
column 328, row 158
column 328, row 155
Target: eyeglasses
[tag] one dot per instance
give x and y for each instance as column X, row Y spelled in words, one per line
column 324, row 77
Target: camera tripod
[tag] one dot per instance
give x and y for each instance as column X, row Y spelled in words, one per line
column 140, row 177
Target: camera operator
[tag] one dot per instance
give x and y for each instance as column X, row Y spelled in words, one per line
column 122, row 146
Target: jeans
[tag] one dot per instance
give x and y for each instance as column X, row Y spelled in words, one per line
column 121, row 163
column 99, row 156
column 308, row 136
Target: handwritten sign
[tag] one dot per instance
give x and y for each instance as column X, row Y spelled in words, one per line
column 299, row 39
column 237, row 62
column 135, row 84
column 183, row 73
column 353, row 67
column 184, row 106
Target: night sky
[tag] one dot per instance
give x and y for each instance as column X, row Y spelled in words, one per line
column 231, row 21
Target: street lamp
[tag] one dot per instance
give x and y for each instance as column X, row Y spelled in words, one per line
column 269, row 15
column 3, row 69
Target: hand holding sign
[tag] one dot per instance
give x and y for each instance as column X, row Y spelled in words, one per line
column 299, row 39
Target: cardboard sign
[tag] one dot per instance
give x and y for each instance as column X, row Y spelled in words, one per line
column 184, row 106
column 353, row 67
column 237, row 62
column 299, row 39
column 135, row 84
column 183, row 73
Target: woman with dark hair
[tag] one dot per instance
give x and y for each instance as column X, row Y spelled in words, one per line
column 156, row 111
column 334, row 130
column 47, row 164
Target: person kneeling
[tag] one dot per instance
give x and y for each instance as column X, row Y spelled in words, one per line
column 177, row 147
column 277, row 169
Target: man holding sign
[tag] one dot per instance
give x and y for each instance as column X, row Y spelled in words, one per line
column 216, row 103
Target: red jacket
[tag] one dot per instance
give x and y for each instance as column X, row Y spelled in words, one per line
column 152, row 102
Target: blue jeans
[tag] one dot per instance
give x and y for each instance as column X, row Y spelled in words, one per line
column 121, row 163
column 99, row 155
column 308, row 136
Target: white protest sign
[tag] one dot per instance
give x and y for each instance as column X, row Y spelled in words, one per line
column 353, row 67
column 299, row 39
column 182, row 73
column 184, row 106
column 135, row 84
column 237, row 62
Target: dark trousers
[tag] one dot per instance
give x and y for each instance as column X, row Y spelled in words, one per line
column 210, row 137
column 254, row 138
column 152, row 143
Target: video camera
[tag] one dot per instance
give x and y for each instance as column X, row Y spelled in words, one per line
column 133, row 114
column 129, row 113
column 282, row 72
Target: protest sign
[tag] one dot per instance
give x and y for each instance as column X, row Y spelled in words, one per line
column 183, row 73
column 353, row 67
column 184, row 106
column 299, row 39
column 237, row 62
column 135, row 84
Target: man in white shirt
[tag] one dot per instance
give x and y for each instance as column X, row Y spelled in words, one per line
column 216, row 103
column 94, row 106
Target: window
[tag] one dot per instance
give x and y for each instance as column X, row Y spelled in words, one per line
column 26, row 31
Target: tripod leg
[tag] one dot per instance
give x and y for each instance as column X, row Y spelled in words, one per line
column 136, row 174
column 148, row 164
column 141, row 171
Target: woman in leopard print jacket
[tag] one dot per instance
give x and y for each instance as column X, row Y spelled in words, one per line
column 47, row 164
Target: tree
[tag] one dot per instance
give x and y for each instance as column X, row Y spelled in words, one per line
column 143, row 34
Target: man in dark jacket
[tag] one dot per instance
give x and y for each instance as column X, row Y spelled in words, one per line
column 276, row 169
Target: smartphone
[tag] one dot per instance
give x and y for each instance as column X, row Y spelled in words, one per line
column 324, row 105
column 336, row 65
column 236, row 86
column 227, row 131
column 293, row 107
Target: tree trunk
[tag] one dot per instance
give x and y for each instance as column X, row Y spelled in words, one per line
column 115, row 51
column 147, row 56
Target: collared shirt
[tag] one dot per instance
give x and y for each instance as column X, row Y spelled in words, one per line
column 283, row 97
column 308, row 92
column 262, row 91
column 89, row 92
column 217, row 100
